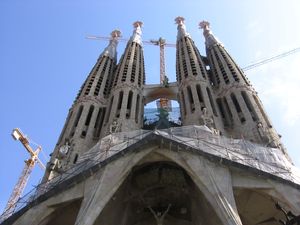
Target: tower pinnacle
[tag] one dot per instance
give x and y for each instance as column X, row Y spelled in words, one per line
column 210, row 39
column 205, row 26
column 115, row 34
column 136, row 36
column 181, row 27
column 111, row 50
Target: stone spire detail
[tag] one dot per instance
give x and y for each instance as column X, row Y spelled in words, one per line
column 111, row 50
column 210, row 39
column 137, row 33
column 181, row 28
column 125, row 107
column 197, row 103
column 240, row 108
column 85, row 119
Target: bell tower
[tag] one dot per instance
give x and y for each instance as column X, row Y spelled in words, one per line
column 241, row 110
column 107, row 170
column 125, row 108
column 196, row 99
column 85, row 119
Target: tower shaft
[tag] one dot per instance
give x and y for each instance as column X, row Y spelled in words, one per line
column 125, row 110
column 241, row 110
column 83, row 125
column 197, row 102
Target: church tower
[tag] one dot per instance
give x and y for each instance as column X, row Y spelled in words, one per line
column 196, row 98
column 85, row 119
column 125, row 110
column 107, row 170
column 240, row 108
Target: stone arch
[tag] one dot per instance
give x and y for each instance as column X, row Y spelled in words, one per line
column 257, row 206
column 63, row 214
column 154, row 184
column 154, row 92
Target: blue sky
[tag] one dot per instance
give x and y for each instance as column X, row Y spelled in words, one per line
column 44, row 59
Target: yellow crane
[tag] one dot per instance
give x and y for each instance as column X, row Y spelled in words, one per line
column 163, row 103
column 29, row 164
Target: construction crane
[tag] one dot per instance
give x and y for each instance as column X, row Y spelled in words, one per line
column 29, row 164
column 276, row 57
column 163, row 102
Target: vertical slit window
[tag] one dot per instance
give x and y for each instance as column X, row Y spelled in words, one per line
column 227, row 108
column 249, row 105
column 137, row 108
column 109, row 79
column 200, row 96
column 238, row 108
column 120, row 100
column 211, row 102
column 109, row 109
column 225, row 111
column 129, row 103
column 183, row 103
column 216, row 78
column 78, row 116
column 99, row 122
column 190, row 96
column 89, row 116
column 219, row 103
column 75, row 159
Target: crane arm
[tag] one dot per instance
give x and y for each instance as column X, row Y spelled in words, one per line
column 93, row 37
column 22, row 181
column 18, row 135
column 18, row 189
column 276, row 57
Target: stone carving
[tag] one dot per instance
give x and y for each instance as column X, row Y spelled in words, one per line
column 159, row 216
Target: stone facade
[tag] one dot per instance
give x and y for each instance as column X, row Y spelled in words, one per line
column 85, row 119
column 211, row 91
column 161, row 180
column 106, row 170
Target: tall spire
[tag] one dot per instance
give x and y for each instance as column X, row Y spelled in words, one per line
column 111, row 50
column 84, row 123
column 137, row 33
column 210, row 39
column 181, row 28
column 197, row 104
column 126, row 99
column 241, row 110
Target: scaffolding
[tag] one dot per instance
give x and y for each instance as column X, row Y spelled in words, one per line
column 188, row 138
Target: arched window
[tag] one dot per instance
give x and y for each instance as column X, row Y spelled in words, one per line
column 129, row 103
column 191, row 99
column 211, row 102
column 238, row 108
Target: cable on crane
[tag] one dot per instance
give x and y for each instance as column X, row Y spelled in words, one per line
column 262, row 62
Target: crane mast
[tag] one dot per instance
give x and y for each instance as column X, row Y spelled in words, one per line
column 163, row 103
column 22, row 181
column 161, row 43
